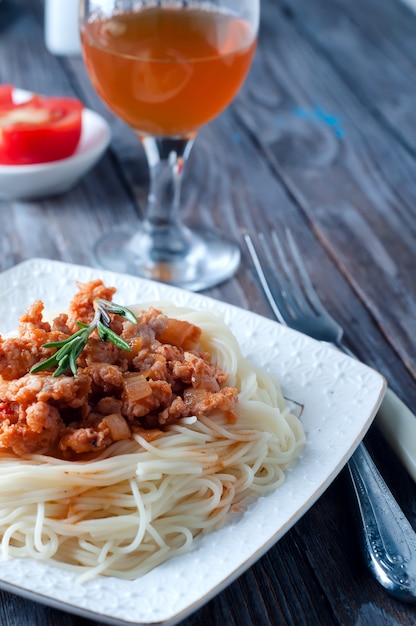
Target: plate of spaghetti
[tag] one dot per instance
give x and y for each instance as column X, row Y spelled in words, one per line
column 151, row 436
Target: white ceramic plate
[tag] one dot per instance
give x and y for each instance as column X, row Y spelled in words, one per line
column 26, row 182
column 340, row 398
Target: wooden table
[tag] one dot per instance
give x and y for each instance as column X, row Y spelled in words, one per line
column 322, row 139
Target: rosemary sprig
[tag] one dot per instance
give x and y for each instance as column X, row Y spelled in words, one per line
column 68, row 350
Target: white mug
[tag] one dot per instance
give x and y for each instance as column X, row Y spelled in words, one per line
column 62, row 27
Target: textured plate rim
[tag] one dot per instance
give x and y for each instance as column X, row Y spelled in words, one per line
column 19, row 283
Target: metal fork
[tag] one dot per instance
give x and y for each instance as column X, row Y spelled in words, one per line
column 388, row 539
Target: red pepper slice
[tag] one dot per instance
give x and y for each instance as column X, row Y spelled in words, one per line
column 41, row 130
column 6, row 95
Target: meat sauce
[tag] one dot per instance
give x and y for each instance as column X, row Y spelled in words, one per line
column 165, row 377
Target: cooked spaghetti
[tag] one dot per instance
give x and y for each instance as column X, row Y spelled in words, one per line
column 102, row 473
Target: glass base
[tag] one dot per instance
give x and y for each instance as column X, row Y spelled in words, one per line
column 207, row 260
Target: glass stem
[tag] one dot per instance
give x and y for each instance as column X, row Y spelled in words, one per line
column 166, row 158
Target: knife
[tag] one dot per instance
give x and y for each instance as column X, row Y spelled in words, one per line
column 398, row 425
column 396, row 422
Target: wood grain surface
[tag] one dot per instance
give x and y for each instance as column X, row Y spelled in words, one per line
column 321, row 139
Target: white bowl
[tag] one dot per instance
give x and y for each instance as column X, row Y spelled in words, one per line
column 25, row 182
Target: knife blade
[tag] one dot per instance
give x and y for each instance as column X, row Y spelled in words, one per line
column 397, row 424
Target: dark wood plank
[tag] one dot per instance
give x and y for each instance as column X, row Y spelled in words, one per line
column 307, row 144
column 353, row 182
column 373, row 49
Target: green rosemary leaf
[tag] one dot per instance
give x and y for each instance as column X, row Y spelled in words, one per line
column 55, row 344
column 51, row 362
column 63, row 342
column 68, row 350
column 106, row 334
column 62, row 367
column 118, row 309
column 104, row 316
column 77, row 347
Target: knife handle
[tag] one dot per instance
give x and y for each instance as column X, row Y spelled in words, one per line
column 398, row 425
column 389, row 541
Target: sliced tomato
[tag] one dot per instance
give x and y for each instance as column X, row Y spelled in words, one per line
column 41, row 130
column 6, row 95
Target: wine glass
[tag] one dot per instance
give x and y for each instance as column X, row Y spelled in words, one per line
column 166, row 67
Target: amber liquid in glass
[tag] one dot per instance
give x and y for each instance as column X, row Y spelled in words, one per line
column 168, row 71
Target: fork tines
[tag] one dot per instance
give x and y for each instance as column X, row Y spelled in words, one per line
column 287, row 286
